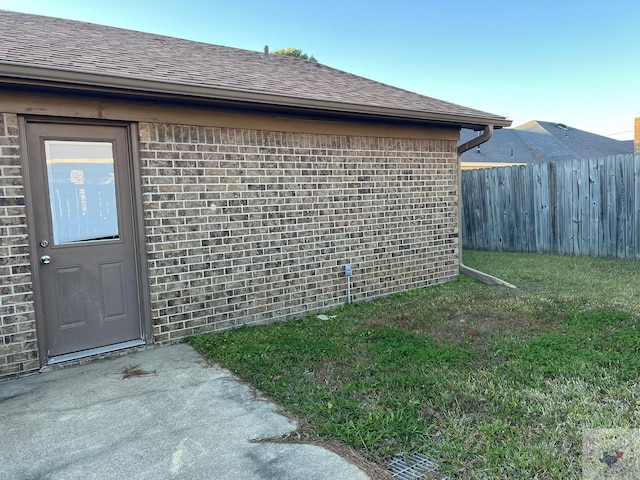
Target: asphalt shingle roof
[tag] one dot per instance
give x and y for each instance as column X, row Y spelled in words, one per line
column 72, row 46
column 537, row 141
column 580, row 143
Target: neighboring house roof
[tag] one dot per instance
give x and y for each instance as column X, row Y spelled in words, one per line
column 52, row 51
column 537, row 142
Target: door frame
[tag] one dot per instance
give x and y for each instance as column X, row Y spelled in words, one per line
column 137, row 213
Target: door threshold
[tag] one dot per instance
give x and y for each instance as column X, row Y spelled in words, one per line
column 68, row 357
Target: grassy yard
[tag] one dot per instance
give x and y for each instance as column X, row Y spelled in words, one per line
column 492, row 382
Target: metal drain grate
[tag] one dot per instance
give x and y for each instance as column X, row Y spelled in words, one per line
column 413, row 466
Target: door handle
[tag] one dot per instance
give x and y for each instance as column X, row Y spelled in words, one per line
column 45, row 259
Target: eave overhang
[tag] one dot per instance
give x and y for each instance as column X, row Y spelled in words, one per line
column 45, row 77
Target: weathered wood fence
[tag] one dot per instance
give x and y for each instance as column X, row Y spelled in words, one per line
column 581, row 207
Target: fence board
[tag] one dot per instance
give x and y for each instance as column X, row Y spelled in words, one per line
column 579, row 207
column 594, row 207
column 537, row 206
column 612, row 205
column 563, row 219
column 583, row 173
column 576, row 203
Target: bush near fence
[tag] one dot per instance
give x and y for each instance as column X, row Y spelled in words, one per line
column 579, row 207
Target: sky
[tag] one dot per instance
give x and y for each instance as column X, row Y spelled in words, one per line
column 567, row 61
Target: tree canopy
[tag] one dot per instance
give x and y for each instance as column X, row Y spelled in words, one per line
column 295, row 52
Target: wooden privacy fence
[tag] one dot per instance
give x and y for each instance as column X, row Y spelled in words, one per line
column 580, row 207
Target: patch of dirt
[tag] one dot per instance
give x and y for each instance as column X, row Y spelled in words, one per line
column 479, row 330
column 367, row 465
column 136, row 371
column 304, row 435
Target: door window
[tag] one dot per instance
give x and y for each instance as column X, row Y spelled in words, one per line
column 82, row 191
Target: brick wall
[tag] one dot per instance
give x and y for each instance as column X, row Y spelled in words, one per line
column 248, row 226
column 18, row 349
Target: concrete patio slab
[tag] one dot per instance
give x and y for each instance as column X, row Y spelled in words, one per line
column 179, row 418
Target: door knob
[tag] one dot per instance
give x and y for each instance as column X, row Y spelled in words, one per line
column 45, row 259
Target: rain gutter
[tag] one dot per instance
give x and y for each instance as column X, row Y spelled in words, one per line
column 472, row 272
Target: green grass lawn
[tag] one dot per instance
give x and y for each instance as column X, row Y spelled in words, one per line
column 491, row 382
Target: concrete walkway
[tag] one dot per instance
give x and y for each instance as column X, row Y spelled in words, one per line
column 185, row 419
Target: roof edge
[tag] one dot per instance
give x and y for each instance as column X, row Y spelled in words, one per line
column 16, row 73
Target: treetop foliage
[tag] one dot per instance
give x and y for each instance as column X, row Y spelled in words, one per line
column 295, row 52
